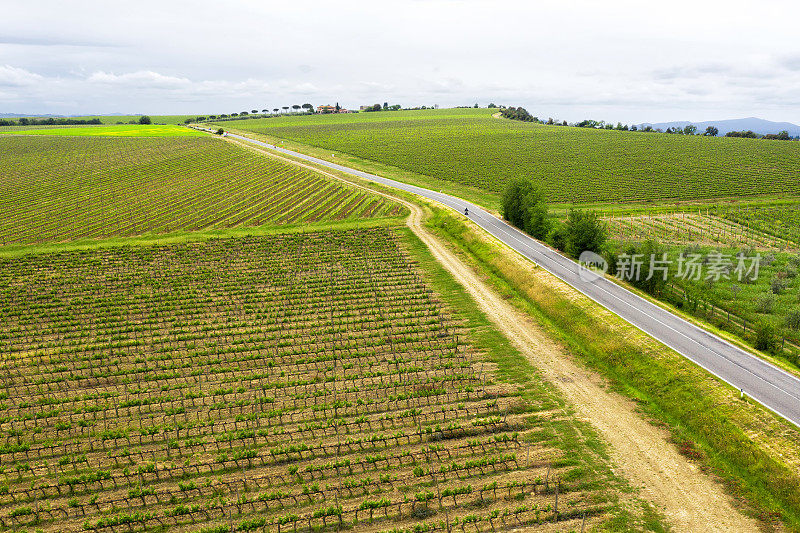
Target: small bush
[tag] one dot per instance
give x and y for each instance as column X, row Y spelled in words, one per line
column 766, row 340
column 765, row 303
column 793, row 319
column 777, row 285
column 651, row 281
column 557, row 237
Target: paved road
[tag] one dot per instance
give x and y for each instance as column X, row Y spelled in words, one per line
column 769, row 385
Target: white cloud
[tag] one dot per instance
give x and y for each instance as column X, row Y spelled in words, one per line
column 142, row 78
column 18, row 77
column 618, row 60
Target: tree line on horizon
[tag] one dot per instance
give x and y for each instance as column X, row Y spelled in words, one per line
column 254, row 113
column 51, row 121
column 521, row 114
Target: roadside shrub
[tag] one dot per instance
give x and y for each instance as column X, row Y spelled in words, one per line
column 144, row 119
column 511, row 202
column 610, row 255
column 766, row 340
column 584, row 231
column 557, row 237
column 220, row 131
column 651, row 283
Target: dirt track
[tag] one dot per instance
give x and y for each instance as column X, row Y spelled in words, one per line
column 689, row 498
column 642, row 453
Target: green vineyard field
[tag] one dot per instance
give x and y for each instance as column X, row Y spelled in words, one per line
column 712, row 227
column 69, row 188
column 125, row 119
column 574, row 165
column 284, row 383
column 780, row 221
column 126, row 130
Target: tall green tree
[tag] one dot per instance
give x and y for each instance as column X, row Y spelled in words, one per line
column 512, row 202
column 525, row 206
column 584, row 231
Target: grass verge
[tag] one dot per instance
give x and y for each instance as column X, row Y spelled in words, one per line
column 124, row 130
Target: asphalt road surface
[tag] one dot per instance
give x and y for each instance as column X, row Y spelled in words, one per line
column 772, row 387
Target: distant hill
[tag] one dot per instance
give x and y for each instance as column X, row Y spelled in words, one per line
column 26, row 115
column 757, row 125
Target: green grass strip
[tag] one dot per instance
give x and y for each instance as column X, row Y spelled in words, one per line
column 123, row 130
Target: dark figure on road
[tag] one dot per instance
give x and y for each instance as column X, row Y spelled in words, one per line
column 466, row 211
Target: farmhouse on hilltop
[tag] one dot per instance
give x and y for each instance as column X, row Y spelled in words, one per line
column 323, row 109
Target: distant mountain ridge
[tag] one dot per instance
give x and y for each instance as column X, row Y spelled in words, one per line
column 21, row 115
column 757, row 125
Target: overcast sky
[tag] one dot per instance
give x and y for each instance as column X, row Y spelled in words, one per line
column 631, row 61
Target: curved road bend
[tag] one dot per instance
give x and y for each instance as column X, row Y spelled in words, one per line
column 772, row 387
